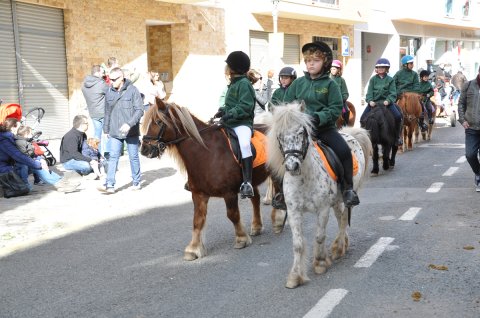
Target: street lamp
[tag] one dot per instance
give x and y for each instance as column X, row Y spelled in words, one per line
column 275, row 14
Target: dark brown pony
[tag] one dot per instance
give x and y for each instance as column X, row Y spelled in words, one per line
column 411, row 107
column 351, row 117
column 203, row 153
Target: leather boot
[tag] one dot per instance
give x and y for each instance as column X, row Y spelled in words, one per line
column 422, row 125
column 246, row 189
column 278, row 201
column 350, row 197
column 398, row 132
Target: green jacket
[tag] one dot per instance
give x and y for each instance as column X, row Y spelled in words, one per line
column 278, row 96
column 381, row 89
column 343, row 86
column 425, row 88
column 239, row 103
column 406, row 81
column 321, row 96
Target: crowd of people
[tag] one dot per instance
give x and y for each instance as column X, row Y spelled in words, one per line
column 116, row 106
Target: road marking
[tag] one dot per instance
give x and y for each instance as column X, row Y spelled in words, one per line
column 450, row 172
column 410, row 214
column 462, row 159
column 443, row 145
column 327, row 303
column 374, row 252
column 435, row 187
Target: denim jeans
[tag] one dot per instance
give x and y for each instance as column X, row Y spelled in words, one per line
column 472, row 145
column 22, row 170
column 98, row 129
column 46, row 176
column 116, row 146
column 80, row 166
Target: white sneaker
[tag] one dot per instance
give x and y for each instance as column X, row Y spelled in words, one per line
column 136, row 187
column 106, row 190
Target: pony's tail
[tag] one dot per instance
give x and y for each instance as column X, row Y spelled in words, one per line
column 363, row 138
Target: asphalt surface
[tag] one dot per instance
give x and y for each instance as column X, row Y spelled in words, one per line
column 87, row 254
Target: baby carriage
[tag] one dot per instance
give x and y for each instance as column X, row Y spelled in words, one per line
column 31, row 119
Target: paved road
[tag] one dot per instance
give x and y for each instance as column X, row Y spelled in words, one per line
column 90, row 255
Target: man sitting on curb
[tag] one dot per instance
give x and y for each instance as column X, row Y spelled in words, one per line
column 71, row 148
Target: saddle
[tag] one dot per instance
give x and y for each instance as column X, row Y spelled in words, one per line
column 258, row 144
column 332, row 162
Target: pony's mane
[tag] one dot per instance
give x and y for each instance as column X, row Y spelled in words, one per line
column 410, row 101
column 178, row 117
column 284, row 118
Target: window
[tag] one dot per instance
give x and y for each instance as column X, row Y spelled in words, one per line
column 466, row 8
column 327, row 3
column 332, row 43
column 448, row 8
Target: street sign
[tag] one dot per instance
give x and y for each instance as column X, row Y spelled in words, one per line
column 345, row 46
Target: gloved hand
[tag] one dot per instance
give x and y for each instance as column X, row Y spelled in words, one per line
column 226, row 117
column 124, row 129
column 371, row 103
column 315, row 120
column 385, row 102
column 219, row 113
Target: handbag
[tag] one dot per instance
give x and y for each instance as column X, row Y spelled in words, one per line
column 12, row 185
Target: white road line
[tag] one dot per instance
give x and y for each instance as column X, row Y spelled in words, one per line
column 410, row 214
column 450, row 172
column 462, row 159
column 374, row 252
column 435, row 187
column 326, row 304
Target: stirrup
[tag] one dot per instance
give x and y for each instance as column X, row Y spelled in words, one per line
column 278, row 201
column 246, row 190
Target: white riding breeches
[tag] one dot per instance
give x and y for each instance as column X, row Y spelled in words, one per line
column 244, row 134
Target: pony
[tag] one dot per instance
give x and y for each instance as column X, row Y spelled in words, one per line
column 340, row 123
column 308, row 187
column 381, row 125
column 411, row 107
column 202, row 151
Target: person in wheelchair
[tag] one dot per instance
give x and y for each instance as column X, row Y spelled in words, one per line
column 324, row 103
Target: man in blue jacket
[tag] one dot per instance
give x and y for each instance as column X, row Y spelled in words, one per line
column 123, row 110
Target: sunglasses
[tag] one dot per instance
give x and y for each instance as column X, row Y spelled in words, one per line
column 115, row 79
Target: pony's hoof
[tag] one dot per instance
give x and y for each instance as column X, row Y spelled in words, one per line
column 254, row 231
column 266, row 202
column 189, row 256
column 320, row 267
column 242, row 243
column 374, row 174
column 277, row 229
column 294, row 281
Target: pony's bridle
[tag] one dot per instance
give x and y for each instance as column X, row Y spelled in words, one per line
column 299, row 154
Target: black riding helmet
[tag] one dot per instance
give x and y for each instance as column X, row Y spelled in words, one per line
column 288, row 71
column 325, row 49
column 239, row 62
column 424, row 73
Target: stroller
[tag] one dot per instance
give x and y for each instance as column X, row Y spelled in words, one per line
column 31, row 119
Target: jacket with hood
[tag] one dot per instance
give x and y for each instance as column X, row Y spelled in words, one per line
column 469, row 104
column 124, row 106
column 94, row 90
column 9, row 154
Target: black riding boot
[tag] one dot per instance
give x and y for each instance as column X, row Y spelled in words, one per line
column 350, row 197
column 422, row 125
column 246, row 189
column 398, row 132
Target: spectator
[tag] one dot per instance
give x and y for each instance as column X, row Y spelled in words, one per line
column 469, row 117
column 94, row 89
column 123, row 110
column 11, row 183
column 457, row 81
column 154, row 88
column 71, row 148
column 263, row 92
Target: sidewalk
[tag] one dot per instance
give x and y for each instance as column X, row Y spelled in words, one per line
column 46, row 214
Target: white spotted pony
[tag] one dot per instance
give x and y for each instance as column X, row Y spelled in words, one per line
column 308, row 187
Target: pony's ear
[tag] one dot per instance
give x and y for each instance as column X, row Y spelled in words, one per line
column 160, row 104
column 302, row 106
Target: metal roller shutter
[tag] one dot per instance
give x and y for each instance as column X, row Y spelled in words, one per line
column 8, row 65
column 291, row 49
column 258, row 49
column 44, row 65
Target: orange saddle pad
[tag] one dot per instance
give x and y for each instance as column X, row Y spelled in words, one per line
column 259, row 142
column 329, row 167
